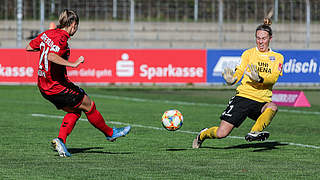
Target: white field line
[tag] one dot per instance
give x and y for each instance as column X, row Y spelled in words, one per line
column 188, row 103
column 162, row 129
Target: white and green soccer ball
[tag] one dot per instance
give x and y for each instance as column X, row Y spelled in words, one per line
column 172, row 120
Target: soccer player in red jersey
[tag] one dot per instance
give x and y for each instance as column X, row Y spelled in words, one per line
column 56, row 87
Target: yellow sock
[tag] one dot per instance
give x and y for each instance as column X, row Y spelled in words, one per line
column 263, row 121
column 210, row 133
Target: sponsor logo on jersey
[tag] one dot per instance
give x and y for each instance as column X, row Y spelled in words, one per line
column 280, row 67
column 272, row 58
column 264, row 67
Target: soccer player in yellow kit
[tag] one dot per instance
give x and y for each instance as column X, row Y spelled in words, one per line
column 260, row 68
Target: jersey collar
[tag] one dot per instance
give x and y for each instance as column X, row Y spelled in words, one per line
column 270, row 50
column 64, row 32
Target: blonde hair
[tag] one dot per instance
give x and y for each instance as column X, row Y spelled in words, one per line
column 67, row 17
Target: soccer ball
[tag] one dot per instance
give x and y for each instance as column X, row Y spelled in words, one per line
column 172, row 120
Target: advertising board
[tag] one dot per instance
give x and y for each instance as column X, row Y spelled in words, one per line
column 300, row 66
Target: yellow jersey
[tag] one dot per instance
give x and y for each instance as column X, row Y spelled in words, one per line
column 269, row 65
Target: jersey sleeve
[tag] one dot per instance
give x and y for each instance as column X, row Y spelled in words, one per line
column 242, row 67
column 35, row 43
column 276, row 72
column 280, row 66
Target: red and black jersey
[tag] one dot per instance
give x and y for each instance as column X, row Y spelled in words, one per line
column 52, row 78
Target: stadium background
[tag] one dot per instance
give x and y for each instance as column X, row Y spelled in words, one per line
column 167, row 23
column 170, row 29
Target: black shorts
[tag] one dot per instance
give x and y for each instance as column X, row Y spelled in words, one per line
column 70, row 97
column 239, row 108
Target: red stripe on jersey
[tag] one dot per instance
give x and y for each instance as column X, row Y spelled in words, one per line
column 280, row 67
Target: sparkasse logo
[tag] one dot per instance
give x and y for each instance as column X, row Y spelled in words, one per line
column 125, row 67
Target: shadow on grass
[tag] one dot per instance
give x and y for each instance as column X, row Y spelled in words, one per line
column 176, row 149
column 93, row 150
column 256, row 146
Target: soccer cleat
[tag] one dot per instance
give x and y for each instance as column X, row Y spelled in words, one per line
column 197, row 142
column 257, row 136
column 60, row 147
column 119, row 132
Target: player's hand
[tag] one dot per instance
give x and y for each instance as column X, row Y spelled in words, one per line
column 253, row 74
column 228, row 76
column 78, row 61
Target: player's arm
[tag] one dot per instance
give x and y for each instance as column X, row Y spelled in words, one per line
column 29, row 48
column 34, row 44
column 242, row 67
column 253, row 73
column 59, row 60
column 228, row 76
column 233, row 76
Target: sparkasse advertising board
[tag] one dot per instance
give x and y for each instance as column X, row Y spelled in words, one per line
column 150, row 66
column 112, row 65
column 155, row 66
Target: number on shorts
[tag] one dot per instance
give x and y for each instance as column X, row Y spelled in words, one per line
column 231, row 107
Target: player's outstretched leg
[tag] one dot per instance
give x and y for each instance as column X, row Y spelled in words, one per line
column 257, row 136
column 60, row 147
column 118, row 132
column 96, row 119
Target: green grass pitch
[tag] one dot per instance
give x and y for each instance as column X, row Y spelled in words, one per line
column 28, row 123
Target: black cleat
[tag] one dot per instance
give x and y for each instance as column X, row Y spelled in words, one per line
column 257, row 136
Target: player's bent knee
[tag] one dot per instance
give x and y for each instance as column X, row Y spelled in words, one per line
column 273, row 106
column 222, row 134
column 224, row 129
column 86, row 104
column 270, row 105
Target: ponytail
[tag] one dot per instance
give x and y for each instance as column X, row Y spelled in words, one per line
column 265, row 26
column 67, row 17
column 267, row 21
